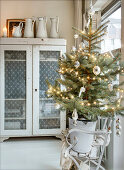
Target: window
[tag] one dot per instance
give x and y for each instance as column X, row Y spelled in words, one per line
column 113, row 38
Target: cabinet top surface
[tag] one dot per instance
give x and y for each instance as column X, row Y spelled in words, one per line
column 33, row 41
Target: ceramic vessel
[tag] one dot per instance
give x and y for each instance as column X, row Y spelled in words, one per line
column 42, row 31
column 54, row 27
column 17, row 30
column 29, row 28
column 85, row 141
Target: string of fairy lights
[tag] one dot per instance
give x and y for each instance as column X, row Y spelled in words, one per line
column 62, row 94
column 64, row 70
column 58, row 92
column 76, row 72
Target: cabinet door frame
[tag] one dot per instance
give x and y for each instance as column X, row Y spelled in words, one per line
column 36, row 130
column 28, row 130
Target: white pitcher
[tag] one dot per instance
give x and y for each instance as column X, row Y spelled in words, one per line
column 54, row 27
column 17, row 30
column 29, row 28
column 42, row 31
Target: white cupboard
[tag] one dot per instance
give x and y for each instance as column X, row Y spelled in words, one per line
column 25, row 65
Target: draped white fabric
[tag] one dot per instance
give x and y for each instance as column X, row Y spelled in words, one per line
column 78, row 15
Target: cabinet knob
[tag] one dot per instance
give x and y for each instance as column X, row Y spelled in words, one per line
column 35, row 89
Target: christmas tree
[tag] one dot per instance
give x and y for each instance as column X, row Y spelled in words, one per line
column 87, row 84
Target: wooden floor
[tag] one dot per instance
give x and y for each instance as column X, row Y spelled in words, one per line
column 30, row 154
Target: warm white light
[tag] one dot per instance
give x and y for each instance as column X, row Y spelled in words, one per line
column 72, row 97
column 119, row 100
column 76, row 73
column 106, row 107
column 58, row 92
column 49, row 91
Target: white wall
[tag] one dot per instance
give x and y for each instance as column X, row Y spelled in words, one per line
column 122, row 54
column 28, row 8
column 118, row 144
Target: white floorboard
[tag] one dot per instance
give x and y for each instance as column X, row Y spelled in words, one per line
column 30, row 154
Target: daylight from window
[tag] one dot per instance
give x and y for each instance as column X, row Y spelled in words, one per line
column 113, row 38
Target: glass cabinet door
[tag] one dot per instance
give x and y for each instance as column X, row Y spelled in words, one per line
column 15, row 90
column 16, row 64
column 48, row 118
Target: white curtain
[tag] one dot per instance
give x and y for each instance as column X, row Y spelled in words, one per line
column 78, row 13
column 78, row 6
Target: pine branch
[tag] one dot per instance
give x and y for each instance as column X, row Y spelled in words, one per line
column 95, row 47
column 98, row 37
column 101, row 26
column 99, row 32
column 116, row 59
column 97, row 42
column 82, row 34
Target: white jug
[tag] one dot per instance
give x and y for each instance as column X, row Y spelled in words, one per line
column 29, row 28
column 54, row 27
column 17, row 30
column 42, row 31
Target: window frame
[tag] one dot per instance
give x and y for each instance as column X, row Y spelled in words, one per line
column 111, row 8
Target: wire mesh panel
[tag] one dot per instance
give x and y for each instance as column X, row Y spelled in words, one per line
column 52, row 123
column 15, row 79
column 15, row 90
column 49, row 116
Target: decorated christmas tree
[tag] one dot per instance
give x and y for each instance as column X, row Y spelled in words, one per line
column 88, row 86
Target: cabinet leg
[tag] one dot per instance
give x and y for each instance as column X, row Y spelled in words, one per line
column 3, row 139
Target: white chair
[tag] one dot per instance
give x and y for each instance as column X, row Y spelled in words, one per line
column 95, row 155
